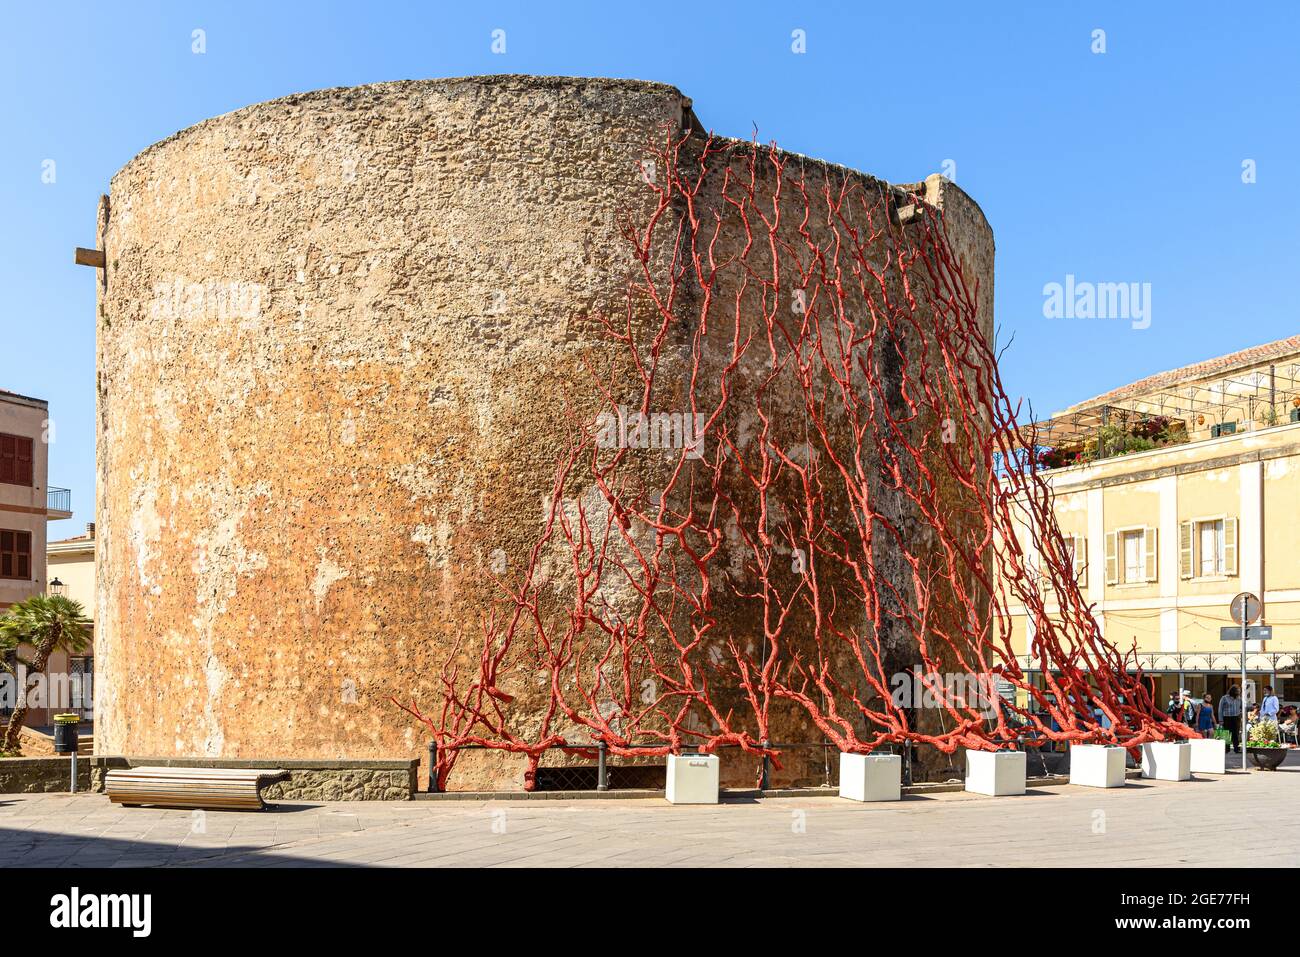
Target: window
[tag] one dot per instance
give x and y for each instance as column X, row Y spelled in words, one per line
column 1131, row 556
column 1076, row 550
column 15, row 459
column 81, row 672
column 15, row 554
column 1207, row 548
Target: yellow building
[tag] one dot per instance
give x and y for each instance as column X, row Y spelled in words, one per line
column 1176, row 493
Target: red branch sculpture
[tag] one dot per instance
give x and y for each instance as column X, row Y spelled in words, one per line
column 795, row 495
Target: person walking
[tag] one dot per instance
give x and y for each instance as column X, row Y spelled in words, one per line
column 1230, row 716
column 1190, row 709
column 1205, row 716
column 1175, row 706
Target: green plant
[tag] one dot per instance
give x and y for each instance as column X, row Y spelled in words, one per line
column 48, row 623
column 1263, row 734
column 1125, row 437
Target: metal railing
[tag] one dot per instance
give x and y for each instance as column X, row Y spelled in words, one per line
column 58, row 499
column 602, row 765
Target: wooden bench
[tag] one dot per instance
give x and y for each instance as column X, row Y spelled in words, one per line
column 217, row 788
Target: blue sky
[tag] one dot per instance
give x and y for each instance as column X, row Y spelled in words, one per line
column 1122, row 166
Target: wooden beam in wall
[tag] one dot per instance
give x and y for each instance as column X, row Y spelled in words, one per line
column 89, row 257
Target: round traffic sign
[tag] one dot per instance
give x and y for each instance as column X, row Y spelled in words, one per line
column 1245, row 608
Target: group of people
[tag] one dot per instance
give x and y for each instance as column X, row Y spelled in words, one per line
column 1203, row 716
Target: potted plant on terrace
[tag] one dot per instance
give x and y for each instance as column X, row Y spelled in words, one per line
column 1266, row 753
column 1060, row 457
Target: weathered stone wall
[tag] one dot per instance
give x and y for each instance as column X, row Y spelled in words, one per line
column 341, row 780
column 34, row 744
column 43, row 774
column 338, row 337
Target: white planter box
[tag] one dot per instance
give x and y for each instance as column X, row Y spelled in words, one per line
column 1096, row 766
column 871, row 777
column 995, row 772
column 1167, row 760
column 692, row 779
column 1209, row 756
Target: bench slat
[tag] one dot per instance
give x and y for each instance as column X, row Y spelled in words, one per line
column 155, row 771
column 235, row 788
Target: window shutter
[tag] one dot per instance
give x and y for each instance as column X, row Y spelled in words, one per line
column 1149, row 542
column 8, row 459
column 1229, row 546
column 15, row 554
column 1112, row 558
column 1081, row 560
column 1186, row 558
column 23, row 463
column 16, row 457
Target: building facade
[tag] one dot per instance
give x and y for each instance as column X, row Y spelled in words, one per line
column 1175, row 493
column 71, row 563
column 27, row 503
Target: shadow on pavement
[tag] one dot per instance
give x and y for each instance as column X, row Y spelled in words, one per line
column 30, row 848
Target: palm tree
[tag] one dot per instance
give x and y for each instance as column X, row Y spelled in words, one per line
column 48, row 623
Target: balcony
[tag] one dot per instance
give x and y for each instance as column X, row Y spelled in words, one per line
column 1103, row 433
column 58, row 503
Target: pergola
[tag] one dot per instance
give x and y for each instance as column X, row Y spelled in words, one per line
column 1261, row 398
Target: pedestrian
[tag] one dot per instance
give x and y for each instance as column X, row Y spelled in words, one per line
column 1205, row 716
column 1230, row 716
column 1290, row 723
column 1189, row 709
column 1175, row 706
column 1269, row 707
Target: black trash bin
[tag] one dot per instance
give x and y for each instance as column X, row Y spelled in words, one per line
column 65, row 733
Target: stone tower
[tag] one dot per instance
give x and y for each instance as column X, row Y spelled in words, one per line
column 336, row 331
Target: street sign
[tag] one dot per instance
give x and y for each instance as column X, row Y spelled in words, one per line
column 1244, row 608
column 1253, row 633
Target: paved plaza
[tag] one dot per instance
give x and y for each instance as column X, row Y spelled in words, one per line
column 1239, row 818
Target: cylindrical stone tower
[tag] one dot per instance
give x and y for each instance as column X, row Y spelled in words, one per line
column 336, row 335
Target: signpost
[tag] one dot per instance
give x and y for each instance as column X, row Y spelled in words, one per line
column 1253, row 633
column 1244, row 609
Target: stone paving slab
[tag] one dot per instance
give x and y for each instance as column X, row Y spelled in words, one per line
column 1211, row 821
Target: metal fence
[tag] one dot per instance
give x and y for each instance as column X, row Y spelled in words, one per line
column 603, row 776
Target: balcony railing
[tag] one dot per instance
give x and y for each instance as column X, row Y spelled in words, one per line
column 58, row 500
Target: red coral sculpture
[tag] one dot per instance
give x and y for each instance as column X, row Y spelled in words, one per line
column 794, row 499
